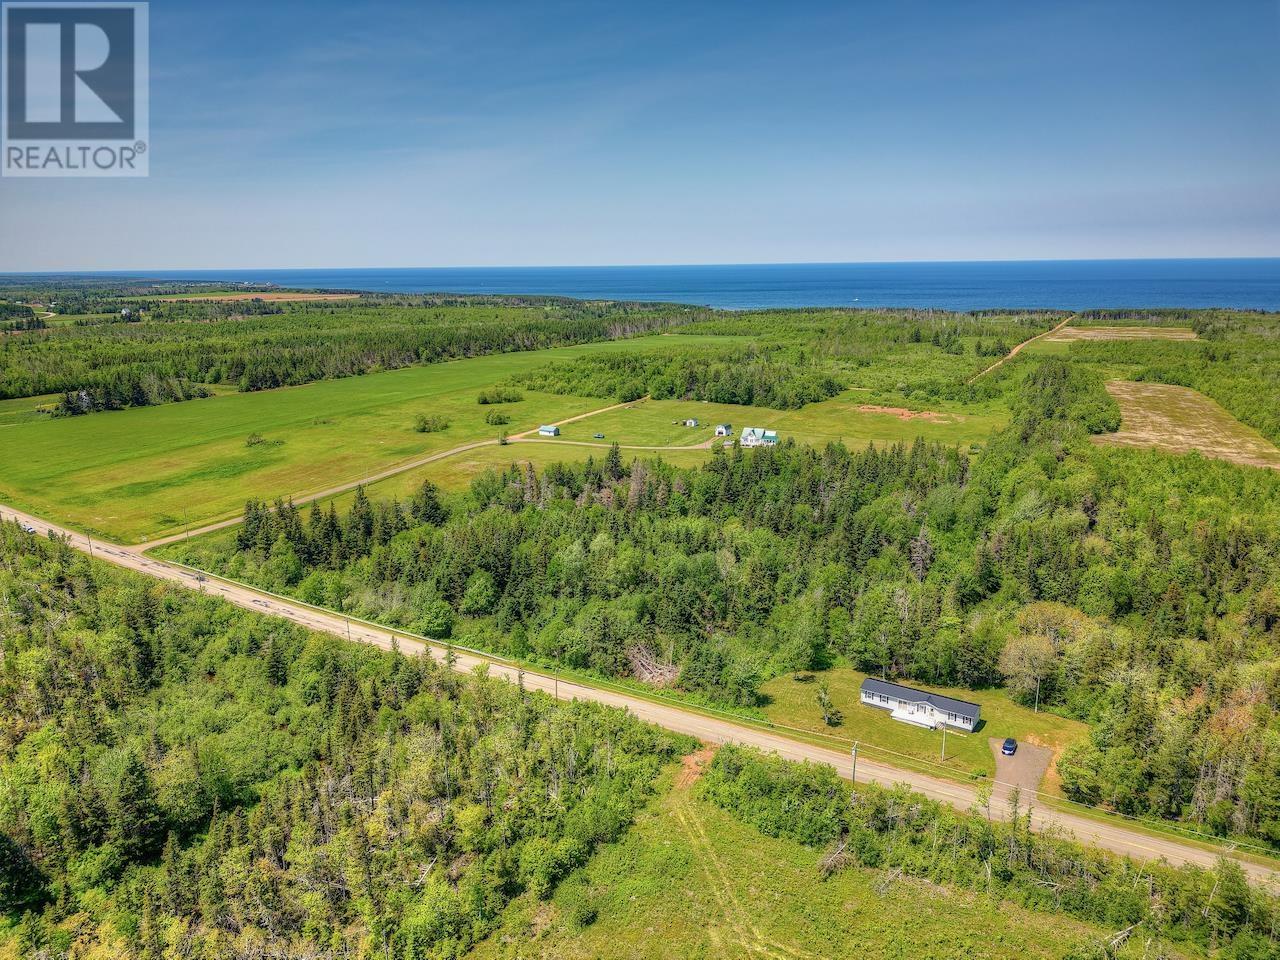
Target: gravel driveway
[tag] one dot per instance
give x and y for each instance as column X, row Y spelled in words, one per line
column 1025, row 769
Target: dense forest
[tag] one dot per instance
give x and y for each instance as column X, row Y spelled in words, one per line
column 1129, row 589
column 182, row 778
column 742, row 375
column 175, row 351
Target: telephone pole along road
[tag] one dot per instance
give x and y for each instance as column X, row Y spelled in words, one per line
column 1098, row 832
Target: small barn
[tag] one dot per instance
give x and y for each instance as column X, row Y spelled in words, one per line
column 724, row 429
column 691, row 422
column 919, row 707
column 549, row 430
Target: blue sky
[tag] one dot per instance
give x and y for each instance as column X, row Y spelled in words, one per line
column 318, row 134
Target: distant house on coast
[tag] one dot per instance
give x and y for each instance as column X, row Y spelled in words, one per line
column 919, row 707
column 549, row 430
column 758, row 437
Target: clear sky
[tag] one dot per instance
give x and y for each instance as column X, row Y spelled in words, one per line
column 322, row 134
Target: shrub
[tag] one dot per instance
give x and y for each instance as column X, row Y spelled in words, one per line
column 424, row 424
column 496, row 419
column 499, row 395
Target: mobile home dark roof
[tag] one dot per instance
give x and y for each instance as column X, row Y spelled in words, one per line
column 961, row 708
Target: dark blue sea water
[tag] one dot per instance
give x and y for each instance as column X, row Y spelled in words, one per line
column 1062, row 284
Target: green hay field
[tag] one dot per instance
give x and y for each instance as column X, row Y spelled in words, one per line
column 138, row 474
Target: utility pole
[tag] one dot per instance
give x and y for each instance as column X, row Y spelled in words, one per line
column 90, row 539
column 853, row 773
column 1037, row 695
column 557, row 687
column 944, row 743
column 348, row 629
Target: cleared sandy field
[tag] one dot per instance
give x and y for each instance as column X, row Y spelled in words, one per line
column 1180, row 420
column 1069, row 334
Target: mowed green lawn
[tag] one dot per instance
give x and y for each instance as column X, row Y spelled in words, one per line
column 689, row 880
column 794, row 704
column 138, row 474
column 659, row 423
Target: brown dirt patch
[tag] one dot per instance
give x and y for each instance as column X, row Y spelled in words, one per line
column 692, row 765
column 1180, row 420
column 1121, row 333
column 265, row 295
column 902, row 413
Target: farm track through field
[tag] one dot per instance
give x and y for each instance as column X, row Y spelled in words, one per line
column 1018, row 349
column 375, row 477
column 720, row 885
column 709, row 726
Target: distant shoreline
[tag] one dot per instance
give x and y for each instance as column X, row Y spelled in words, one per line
column 1244, row 283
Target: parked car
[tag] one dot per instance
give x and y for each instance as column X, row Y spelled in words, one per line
column 28, row 528
column 599, row 436
column 1010, row 747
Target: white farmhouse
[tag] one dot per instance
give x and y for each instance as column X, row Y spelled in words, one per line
column 919, row 707
column 758, row 437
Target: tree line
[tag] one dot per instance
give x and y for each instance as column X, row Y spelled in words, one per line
column 740, row 376
column 119, row 362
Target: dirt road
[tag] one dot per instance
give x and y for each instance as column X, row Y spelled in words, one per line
column 1109, row 835
column 1018, row 349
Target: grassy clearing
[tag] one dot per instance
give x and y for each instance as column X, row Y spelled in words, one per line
column 140, row 473
column 848, row 418
column 689, row 880
column 1181, row 420
column 26, row 409
column 794, row 703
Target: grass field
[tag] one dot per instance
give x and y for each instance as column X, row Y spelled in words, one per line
column 794, row 704
column 26, row 409
column 689, row 880
column 139, row 473
column 848, row 418
column 1181, row 420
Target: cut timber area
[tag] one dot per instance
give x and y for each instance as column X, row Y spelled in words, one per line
column 1067, row 334
column 1180, row 420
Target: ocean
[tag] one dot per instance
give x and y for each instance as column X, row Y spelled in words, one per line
column 973, row 285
